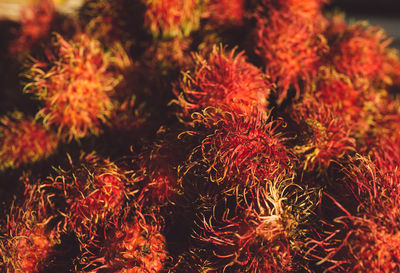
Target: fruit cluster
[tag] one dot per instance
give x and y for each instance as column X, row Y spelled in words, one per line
column 198, row 136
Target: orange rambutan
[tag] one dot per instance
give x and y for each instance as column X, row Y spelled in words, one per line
column 223, row 79
column 24, row 141
column 290, row 48
column 329, row 134
column 76, row 84
column 171, row 18
column 237, row 148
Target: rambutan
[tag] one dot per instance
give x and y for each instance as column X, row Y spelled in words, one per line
column 30, row 236
column 158, row 169
column 223, row 79
column 171, row 18
column 374, row 247
column 259, row 233
column 368, row 244
column 330, row 136
column 360, row 52
column 290, row 48
column 76, row 85
column 94, row 191
column 371, row 236
column 238, row 147
column 310, row 9
column 386, row 155
column 132, row 247
column 338, row 91
column 385, row 118
column 29, row 248
column 225, row 13
column 24, row 141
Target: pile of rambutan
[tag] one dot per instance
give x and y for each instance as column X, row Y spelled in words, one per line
column 188, row 136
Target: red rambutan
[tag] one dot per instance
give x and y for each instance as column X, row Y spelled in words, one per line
column 310, row 9
column 223, row 79
column 360, row 52
column 259, row 234
column 238, row 147
column 225, row 12
column 24, row 141
column 290, row 48
column 30, row 238
column 374, row 247
column 337, row 91
column 157, row 167
column 132, row 247
column 94, row 191
column 369, row 239
column 330, row 136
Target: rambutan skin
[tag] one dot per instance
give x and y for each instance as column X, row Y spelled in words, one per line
column 157, row 169
column 375, row 248
column 361, row 53
column 238, row 147
column 75, row 85
column 29, row 239
column 290, row 47
column 23, row 141
column 94, row 191
column 225, row 13
column 258, row 234
column 330, row 136
column 366, row 240
column 171, row 18
column 338, row 91
column 223, row 78
column 133, row 246
column 29, row 247
column 310, row 9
